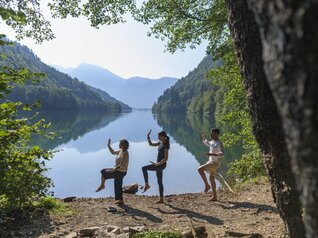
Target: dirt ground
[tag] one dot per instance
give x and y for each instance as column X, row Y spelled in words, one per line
column 250, row 211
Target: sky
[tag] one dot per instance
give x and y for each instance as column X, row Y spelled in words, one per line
column 123, row 49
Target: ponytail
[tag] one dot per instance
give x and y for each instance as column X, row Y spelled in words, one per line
column 167, row 139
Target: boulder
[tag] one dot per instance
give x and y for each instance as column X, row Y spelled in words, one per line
column 89, row 231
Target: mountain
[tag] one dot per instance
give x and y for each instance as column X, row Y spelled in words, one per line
column 192, row 93
column 58, row 90
column 137, row 92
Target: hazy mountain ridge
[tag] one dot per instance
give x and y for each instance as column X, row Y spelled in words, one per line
column 138, row 92
column 58, row 90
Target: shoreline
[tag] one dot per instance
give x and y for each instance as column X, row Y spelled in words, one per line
column 250, row 211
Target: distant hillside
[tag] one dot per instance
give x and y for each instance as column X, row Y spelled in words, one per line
column 192, row 93
column 58, row 90
column 137, row 92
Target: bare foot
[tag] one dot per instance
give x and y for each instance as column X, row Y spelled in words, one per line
column 213, row 199
column 100, row 188
column 146, row 187
column 207, row 188
column 160, row 201
column 119, row 202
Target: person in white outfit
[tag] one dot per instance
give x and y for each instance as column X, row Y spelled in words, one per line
column 216, row 152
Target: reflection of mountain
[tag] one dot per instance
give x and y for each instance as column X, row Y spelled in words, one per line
column 72, row 125
column 186, row 130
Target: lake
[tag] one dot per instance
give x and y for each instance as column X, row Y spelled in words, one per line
column 83, row 152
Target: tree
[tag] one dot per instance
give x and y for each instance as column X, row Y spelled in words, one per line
column 267, row 124
column 22, row 166
column 289, row 48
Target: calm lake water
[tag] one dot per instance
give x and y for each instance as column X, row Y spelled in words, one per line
column 75, row 169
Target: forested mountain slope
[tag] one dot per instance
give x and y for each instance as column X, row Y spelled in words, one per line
column 192, row 93
column 58, row 91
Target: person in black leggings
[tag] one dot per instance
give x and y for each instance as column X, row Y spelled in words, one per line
column 160, row 165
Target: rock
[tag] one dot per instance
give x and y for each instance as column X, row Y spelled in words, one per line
column 110, row 228
column 71, row 235
column 200, row 229
column 132, row 232
column 116, row 231
column 69, row 199
column 133, row 188
column 187, row 234
column 112, row 209
column 139, row 228
column 88, row 231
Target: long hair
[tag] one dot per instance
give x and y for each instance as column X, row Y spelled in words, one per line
column 167, row 139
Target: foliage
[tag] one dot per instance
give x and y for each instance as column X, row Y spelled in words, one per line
column 26, row 18
column 157, row 234
column 232, row 110
column 22, row 167
column 248, row 167
column 54, row 205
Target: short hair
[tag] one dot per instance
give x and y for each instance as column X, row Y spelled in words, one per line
column 125, row 143
column 216, row 130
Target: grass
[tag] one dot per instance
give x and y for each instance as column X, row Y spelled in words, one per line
column 54, row 206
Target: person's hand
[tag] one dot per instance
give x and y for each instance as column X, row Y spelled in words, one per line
column 203, row 136
column 149, row 132
column 156, row 164
column 108, row 142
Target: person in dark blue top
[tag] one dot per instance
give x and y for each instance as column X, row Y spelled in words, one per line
column 160, row 165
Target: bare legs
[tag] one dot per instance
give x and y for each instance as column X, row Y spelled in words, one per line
column 102, row 184
column 202, row 174
column 207, row 186
column 212, row 181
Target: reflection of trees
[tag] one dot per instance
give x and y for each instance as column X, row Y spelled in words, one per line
column 70, row 125
column 186, row 130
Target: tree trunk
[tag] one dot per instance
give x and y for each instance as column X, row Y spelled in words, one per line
column 266, row 121
column 290, row 51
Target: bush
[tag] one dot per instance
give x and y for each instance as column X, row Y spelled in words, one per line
column 54, row 205
column 22, row 166
column 250, row 166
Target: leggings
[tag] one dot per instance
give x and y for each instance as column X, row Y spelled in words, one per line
column 159, row 170
column 118, row 182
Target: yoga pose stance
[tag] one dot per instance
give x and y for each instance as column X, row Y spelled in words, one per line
column 216, row 151
column 118, row 172
column 160, row 165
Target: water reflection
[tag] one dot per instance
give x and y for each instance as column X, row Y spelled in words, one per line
column 75, row 169
column 71, row 125
column 186, row 129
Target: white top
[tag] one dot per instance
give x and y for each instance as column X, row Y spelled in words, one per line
column 215, row 147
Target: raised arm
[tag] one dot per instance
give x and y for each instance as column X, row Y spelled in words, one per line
column 111, row 149
column 149, row 140
column 204, row 140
